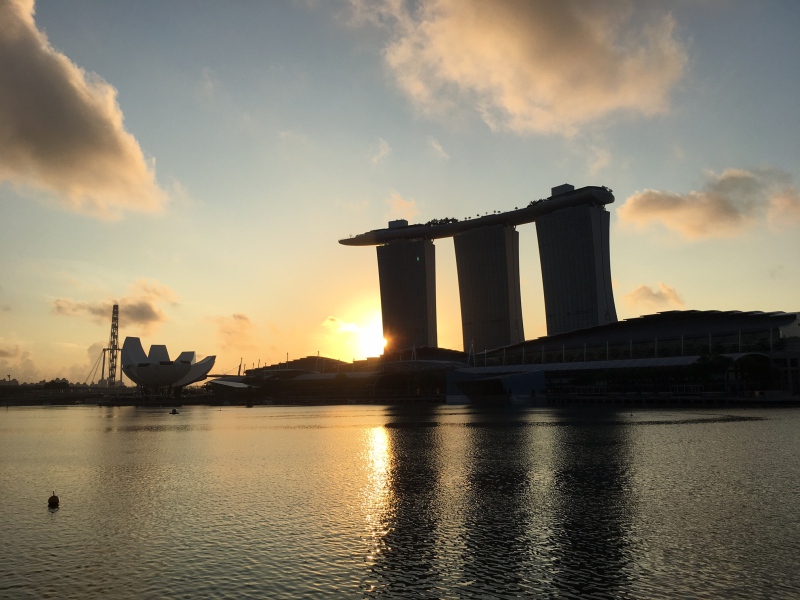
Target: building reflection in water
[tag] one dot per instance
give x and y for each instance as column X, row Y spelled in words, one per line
column 497, row 502
column 498, row 507
column 402, row 518
column 592, row 499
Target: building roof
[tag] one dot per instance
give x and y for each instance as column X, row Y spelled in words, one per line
column 595, row 195
column 155, row 369
column 668, row 325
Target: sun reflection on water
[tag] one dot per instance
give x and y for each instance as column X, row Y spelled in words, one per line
column 378, row 493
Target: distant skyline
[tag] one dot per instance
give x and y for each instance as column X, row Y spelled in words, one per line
column 196, row 162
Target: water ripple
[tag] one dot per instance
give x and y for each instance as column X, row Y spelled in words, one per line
column 429, row 502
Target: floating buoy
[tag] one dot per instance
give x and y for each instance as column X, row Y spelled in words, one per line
column 52, row 501
column 174, row 411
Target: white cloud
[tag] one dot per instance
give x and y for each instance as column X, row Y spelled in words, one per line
column 783, row 208
column 727, row 205
column 650, row 300
column 600, row 158
column 530, row 66
column 88, row 371
column 382, row 150
column 17, row 363
column 437, row 148
column 292, row 136
column 337, row 325
column 400, row 208
column 61, row 128
column 208, row 83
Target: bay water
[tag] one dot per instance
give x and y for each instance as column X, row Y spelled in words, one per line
column 399, row 502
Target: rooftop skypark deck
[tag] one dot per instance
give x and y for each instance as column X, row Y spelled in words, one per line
column 590, row 195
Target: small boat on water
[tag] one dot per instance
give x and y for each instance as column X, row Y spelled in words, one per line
column 174, row 411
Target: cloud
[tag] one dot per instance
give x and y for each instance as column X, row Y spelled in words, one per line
column 292, row 136
column 727, row 205
column 70, row 308
column 9, row 352
column 337, row 325
column 783, row 208
column 235, row 331
column 90, row 370
column 530, row 66
column 437, row 148
column 400, row 208
column 19, row 364
column 342, row 339
column 382, row 150
column 653, row 300
column 600, row 159
column 346, row 339
column 208, row 83
column 139, row 308
column 775, row 271
column 62, row 130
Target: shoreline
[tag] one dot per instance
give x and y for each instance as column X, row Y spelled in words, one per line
column 553, row 401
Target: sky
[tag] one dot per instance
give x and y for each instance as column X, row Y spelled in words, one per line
column 197, row 162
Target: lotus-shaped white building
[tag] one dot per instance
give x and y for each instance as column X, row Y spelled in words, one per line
column 156, row 371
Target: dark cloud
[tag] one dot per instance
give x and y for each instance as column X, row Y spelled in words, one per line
column 61, row 129
column 9, row 352
column 142, row 312
column 726, row 206
column 69, row 308
column 140, row 307
column 530, row 66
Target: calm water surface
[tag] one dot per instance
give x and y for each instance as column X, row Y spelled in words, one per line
column 423, row 502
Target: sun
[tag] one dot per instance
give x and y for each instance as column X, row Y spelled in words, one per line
column 370, row 340
column 355, row 338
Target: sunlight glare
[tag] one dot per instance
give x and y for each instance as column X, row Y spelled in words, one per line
column 377, row 494
column 370, row 337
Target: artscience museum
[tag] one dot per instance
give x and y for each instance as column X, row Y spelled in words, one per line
column 156, row 373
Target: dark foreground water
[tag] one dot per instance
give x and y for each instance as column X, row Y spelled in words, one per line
column 431, row 502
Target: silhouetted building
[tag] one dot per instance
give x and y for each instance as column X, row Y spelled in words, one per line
column 487, row 259
column 576, row 267
column 576, row 273
column 689, row 356
column 407, row 274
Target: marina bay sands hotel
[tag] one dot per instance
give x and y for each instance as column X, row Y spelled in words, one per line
column 572, row 230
